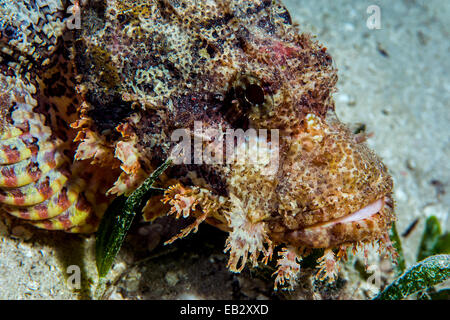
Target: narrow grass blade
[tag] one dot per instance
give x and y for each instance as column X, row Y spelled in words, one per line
column 442, row 245
column 117, row 221
column 396, row 242
column 420, row 276
column 110, row 234
column 430, row 237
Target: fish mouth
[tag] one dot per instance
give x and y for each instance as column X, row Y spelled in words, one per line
column 361, row 214
column 366, row 224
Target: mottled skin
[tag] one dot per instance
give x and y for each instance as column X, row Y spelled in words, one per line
column 147, row 68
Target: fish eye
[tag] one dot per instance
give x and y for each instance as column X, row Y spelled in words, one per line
column 249, row 97
column 250, row 91
column 254, row 94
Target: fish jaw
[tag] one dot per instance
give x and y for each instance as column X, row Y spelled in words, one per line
column 366, row 224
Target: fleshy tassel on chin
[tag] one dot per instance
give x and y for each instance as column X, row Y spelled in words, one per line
column 187, row 202
column 247, row 240
column 385, row 246
column 288, row 268
column 329, row 262
column 328, row 266
column 247, row 243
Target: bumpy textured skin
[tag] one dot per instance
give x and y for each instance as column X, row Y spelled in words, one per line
column 134, row 72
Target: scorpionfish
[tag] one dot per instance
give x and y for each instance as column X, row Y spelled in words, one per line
column 94, row 95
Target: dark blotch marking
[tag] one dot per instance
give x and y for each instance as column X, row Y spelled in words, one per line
column 33, row 170
column 44, row 188
column 12, row 155
column 64, row 219
column 10, row 32
column 104, row 102
column 9, row 175
column 63, row 199
column 82, row 204
column 211, row 50
column 42, row 210
column 17, row 194
column 24, row 214
column 49, row 158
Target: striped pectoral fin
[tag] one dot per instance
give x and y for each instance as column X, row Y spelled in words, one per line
column 24, row 122
column 81, row 217
column 20, row 148
column 35, row 137
column 92, row 222
column 50, row 208
column 75, row 215
column 13, row 152
column 10, row 132
column 36, row 192
column 29, row 170
column 100, row 203
column 90, row 226
column 35, row 182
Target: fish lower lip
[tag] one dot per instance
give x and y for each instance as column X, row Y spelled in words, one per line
column 361, row 214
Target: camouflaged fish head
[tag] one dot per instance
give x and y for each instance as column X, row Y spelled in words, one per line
column 117, row 92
